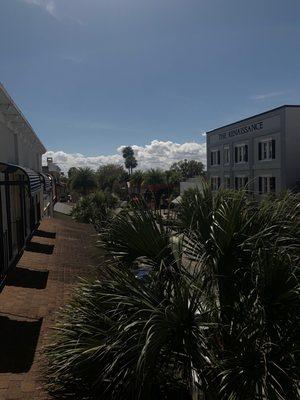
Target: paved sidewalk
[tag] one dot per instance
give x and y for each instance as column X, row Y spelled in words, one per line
column 58, row 253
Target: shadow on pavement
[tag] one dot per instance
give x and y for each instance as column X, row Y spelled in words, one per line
column 29, row 278
column 18, row 344
column 45, row 234
column 40, row 248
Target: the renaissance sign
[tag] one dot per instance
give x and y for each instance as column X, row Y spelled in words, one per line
column 257, row 126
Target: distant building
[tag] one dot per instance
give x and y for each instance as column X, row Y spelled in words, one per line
column 191, row 183
column 54, row 171
column 261, row 152
column 52, row 168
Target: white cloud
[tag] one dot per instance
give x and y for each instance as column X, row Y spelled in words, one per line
column 73, row 59
column 48, row 5
column 268, row 95
column 157, row 154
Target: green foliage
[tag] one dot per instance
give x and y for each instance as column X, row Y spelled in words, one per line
column 127, row 339
column 94, row 208
column 154, row 176
column 108, row 175
column 83, row 181
column 218, row 314
column 71, row 172
column 136, row 180
column 138, row 233
column 173, row 177
column 127, row 152
column 130, row 160
column 188, row 168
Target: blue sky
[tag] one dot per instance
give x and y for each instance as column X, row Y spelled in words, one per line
column 91, row 75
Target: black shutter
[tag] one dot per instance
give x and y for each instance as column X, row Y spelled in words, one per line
column 260, row 185
column 273, row 184
column 259, row 151
column 246, row 153
column 273, row 149
column 236, row 183
column 219, row 182
column 236, row 154
column 219, row 157
column 211, row 158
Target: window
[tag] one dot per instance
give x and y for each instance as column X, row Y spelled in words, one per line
column 240, row 182
column 226, row 155
column 215, row 182
column 266, row 150
column 266, row 184
column 215, row 157
column 227, row 182
column 241, row 153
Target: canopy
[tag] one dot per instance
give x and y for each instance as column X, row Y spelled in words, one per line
column 177, row 200
column 33, row 177
column 46, row 181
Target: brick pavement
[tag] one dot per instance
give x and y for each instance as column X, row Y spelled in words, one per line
column 45, row 276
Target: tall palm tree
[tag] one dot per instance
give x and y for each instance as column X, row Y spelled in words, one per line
column 130, row 160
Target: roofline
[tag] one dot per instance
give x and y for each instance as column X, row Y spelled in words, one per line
column 254, row 116
column 30, row 173
column 10, row 100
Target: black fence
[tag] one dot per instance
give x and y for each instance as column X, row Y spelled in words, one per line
column 4, row 254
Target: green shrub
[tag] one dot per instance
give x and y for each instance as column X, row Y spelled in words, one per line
column 95, row 208
column 220, row 319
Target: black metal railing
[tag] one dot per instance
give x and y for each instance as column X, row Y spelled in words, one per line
column 4, row 254
column 20, row 234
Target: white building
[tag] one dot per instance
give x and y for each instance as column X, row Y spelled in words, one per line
column 261, row 152
column 19, row 143
column 21, row 184
column 191, row 183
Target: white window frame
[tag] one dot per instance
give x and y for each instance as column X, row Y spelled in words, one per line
column 214, row 181
column 241, row 152
column 242, row 182
column 266, row 184
column 269, row 152
column 215, row 153
column 226, row 151
column 226, row 185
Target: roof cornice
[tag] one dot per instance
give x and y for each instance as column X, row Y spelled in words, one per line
column 15, row 118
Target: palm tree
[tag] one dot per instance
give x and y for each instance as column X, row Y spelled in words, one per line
column 83, row 181
column 108, row 175
column 173, row 177
column 154, row 176
column 130, row 160
column 137, row 234
column 218, row 313
column 130, row 163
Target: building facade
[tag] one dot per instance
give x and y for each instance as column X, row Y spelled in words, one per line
column 19, row 143
column 21, row 185
column 260, row 152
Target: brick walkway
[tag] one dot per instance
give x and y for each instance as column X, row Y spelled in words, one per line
column 60, row 251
